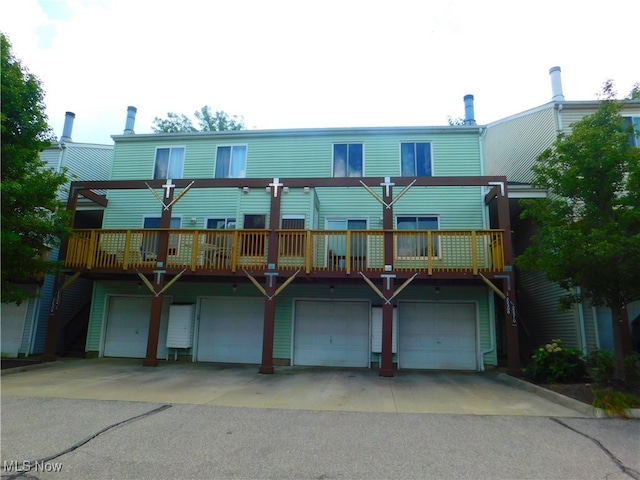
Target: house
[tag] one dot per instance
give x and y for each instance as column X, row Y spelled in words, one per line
column 24, row 326
column 511, row 147
column 351, row 247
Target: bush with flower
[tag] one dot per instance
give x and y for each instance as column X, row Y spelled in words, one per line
column 553, row 363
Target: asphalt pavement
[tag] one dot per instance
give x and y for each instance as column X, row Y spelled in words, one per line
column 60, row 437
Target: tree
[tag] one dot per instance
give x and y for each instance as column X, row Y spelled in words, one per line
column 589, row 225
column 207, row 121
column 33, row 219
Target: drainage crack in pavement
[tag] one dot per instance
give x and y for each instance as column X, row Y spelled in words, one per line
column 626, row 470
column 77, row 445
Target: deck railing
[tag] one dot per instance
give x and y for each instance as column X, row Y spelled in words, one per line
column 309, row 250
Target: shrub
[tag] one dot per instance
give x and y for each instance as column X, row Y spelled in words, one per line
column 632, row 367
column 553, row 364
column 615, row 403
column 602, row 364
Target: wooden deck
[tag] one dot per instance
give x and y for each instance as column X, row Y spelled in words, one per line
column 311, row 251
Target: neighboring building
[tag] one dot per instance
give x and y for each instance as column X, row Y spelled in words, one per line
column 358, row 247
column 511, row 148
column 24, row 326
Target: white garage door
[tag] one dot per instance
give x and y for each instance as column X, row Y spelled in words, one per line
column 230, row 330
column 13, row 317
column 332, row 334
column 128, row 327
column 437, row 336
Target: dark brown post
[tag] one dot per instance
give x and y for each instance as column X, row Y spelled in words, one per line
column 155, row 316
column 271, row 282
column 509, row 286
column 386, row 357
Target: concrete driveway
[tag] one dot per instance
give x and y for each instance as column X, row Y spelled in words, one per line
column 298, row 388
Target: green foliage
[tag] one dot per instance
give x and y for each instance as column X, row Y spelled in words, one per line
column 33, row 219
column 589, row 225
column 553, row 364
column 602, row 364
column 457, row 121
column 207, row 122
column 615, row 403
column 632, row 367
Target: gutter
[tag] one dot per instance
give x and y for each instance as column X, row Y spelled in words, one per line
column 583, row 333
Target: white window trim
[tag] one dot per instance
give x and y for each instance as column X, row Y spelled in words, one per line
column 155, row 158
column 415, row 257
column 333, row 159
column 415, row 142
column 232, row 145
column 226, row 218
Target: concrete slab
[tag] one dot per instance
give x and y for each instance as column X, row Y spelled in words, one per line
column 299, row 388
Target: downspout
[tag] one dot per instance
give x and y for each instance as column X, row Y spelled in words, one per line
column 483, row 191
column 492, row 329
column 583, row 333
column 595, row 326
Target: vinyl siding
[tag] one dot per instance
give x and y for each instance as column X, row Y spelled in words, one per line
column 512, row 145
column 310, row 154
column 33, row 305
column 190, row 292
column 88, row 162
column 539, row 307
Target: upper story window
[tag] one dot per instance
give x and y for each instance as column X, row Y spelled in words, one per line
column 348, row 160
column 231, row 162
column 634, row 140
column 169, row 163
column 415, row 159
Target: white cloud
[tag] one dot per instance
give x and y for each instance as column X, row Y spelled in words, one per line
column 301, row 64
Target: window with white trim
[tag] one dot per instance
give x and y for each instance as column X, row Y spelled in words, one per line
column 231, row 161
column 348, row 160
column 415, row 159
column 416, row 244
column 169, row 163
column 222, row 223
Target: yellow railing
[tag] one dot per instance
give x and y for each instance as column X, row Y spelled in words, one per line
column 309, row 250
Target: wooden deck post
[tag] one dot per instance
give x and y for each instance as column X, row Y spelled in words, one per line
column 386, row 357
column 151, row 360
column 270, row 287
column 509, row 286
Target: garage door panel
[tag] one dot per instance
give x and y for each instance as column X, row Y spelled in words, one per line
column 437, row 336
column 331, row 333
column 230, row 330
column 127, row 330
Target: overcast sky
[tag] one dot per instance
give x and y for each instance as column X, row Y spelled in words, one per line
column 291, row 64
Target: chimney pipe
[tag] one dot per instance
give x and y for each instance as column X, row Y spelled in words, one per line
column 556, row 85
column 469, row 114
column 68, row 127
column 131, row 120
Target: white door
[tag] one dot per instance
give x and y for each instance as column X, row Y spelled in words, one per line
column 127, row 329
column 437, row 336
column 333, row 334
column 13, row 318
column 230, row 330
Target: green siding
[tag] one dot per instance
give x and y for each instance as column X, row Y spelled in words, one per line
column 190, row 292
column 302, row 153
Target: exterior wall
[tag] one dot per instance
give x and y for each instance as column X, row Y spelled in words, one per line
column 512, row 145
column 83, row 161
column 301, row 153
column 188, row 292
